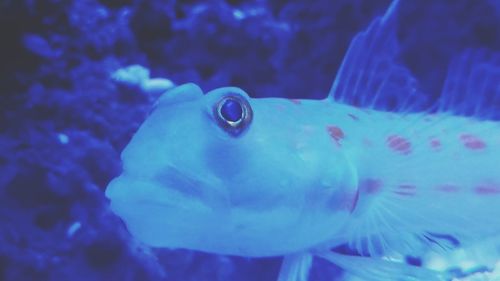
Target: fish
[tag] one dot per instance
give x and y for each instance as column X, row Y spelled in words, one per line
column 224, row 173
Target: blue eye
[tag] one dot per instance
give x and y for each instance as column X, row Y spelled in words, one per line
column 233, row 113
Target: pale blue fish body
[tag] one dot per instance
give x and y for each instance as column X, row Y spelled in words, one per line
column 296, row 178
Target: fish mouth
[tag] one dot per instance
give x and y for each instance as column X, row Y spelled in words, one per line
column 127, row 191
column 160, row 216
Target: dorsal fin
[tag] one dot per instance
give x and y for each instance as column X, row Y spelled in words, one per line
column 472, row 87
column 369, row 75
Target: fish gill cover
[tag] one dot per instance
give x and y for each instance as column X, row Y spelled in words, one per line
column 64, row 122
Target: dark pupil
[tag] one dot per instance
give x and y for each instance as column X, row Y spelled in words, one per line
column 231, row 110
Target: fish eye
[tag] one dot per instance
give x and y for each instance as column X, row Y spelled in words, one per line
column 233, row 113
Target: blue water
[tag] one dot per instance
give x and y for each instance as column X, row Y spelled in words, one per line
column 63, row 122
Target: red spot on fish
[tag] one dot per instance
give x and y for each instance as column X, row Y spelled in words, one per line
column 370, row 186
column 295, row 101
column 472, row 142
column 406, row 190
column 399, row 144
column 449, row 188
column 435, row 143
column 487, row 189
column 336, row 133
column 353, row 117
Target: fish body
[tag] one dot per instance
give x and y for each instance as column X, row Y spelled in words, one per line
column 225, row 173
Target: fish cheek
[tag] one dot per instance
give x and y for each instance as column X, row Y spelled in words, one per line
column 225, row 160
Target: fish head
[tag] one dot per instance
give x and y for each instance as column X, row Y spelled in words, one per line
column 225, row 173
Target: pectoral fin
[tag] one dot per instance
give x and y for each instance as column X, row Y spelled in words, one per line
column 378, row 269
column 295, row 267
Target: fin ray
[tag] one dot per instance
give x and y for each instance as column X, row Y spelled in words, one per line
column 295, row 267
column 380, row 270
column 369, row 75
column 472, row 86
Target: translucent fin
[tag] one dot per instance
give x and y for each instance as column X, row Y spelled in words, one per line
column 482, row 256
column 472, row 87
column 383, row 230
column 397, row 225
column 376, row 269
column 295, row 267
column 369, row 75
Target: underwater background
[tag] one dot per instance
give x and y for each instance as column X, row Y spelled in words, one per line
column 64, row 121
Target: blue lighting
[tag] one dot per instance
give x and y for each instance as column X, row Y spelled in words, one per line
column 88, row 102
